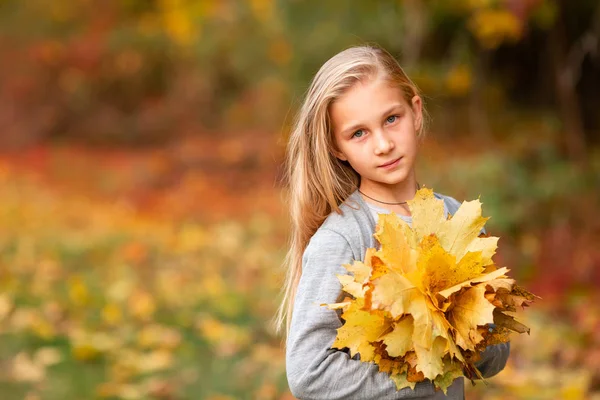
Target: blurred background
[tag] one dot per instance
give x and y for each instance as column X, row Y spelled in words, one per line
column 142, row 224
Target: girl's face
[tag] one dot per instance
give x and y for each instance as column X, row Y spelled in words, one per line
column 374, row 125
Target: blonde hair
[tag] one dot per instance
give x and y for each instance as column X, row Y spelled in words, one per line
column 318, row 181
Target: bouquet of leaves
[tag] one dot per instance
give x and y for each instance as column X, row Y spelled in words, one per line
column 421, row 306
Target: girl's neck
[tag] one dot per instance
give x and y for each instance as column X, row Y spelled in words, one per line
column 391, row 194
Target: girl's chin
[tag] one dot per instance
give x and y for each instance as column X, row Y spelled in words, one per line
column 394, row 178
column 390, row 178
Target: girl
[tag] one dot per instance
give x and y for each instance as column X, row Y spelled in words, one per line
column 351, row 155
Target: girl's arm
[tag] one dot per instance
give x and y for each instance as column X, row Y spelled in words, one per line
column 314, row 370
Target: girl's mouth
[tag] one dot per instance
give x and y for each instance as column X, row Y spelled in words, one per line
column 391, row 164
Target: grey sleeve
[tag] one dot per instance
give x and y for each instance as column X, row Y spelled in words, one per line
column 493, row 359
column 314, row 370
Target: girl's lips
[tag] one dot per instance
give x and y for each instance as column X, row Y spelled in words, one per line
column 391, row 164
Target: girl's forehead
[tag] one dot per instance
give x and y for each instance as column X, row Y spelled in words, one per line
column 365, row 97
column 368, row 90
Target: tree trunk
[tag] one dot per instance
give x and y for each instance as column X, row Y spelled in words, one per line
column 478, row 118
column 565, row 82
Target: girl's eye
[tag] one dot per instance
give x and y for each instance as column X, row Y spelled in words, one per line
column 356, row 134
column 392, row 118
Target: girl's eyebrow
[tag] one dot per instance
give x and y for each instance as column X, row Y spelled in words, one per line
column 357, row 125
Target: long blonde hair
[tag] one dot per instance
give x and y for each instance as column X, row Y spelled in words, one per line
column 318, row 181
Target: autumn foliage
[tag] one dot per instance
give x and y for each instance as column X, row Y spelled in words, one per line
column 423, row 304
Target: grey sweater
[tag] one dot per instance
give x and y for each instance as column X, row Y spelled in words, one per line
column 314, row 370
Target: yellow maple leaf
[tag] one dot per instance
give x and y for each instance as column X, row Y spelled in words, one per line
column 438, row 270
column 395, row 251
column 488, row 278
column 471, row 309
column 359, row 330
column 458, row 234
column 430, row 360
column 441, row 327
column 393, row 293
column 360, row 271
column 399, row 340
column 427, row 214
column 354, row 284
column 351, row 286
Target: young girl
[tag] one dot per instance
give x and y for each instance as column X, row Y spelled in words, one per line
column 351, row 155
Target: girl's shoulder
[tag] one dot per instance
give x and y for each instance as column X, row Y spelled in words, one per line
column 354, row 224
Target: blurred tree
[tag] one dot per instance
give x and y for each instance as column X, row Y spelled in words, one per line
column 568, row 61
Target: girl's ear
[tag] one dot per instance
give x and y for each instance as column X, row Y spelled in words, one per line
column 417, row 108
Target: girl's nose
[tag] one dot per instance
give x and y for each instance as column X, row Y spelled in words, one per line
column 383, row 144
